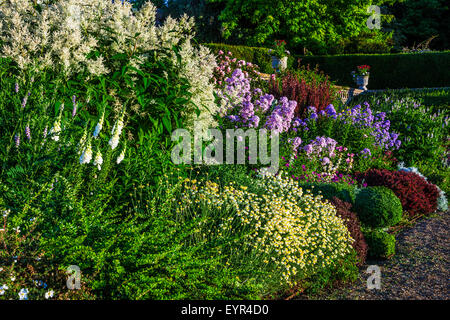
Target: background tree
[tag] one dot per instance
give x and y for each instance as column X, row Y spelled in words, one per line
column 418, row 20
column 205, row 14
column 321, row 26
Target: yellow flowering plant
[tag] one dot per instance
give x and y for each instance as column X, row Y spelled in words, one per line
column 288, row 232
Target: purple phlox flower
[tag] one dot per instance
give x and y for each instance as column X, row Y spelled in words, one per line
column 234, row 118
column 264, row 102
column 312, row 109
column 28, row 132
column 281, row 118
column 74, row 102
column 254, row 122
column 296, row 142
column 296, row 122
column 17, row 140
column 25, row 100
column 308, row 148
column 330, row 110
column 366, row 152
column 275, row 122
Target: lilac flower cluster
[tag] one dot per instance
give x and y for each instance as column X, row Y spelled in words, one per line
column 28, row 132
column 377, row 122
column 360, row 118
column 317, row 146
column 295, row 142
column 237, row 95
column 365, row 153
column 281, row 118
column 264, row 102
column 239, row 103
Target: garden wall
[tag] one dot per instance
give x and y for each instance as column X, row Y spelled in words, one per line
column 393, row 71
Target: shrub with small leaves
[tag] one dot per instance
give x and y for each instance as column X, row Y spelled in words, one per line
column 378, row 207
column 381, row 244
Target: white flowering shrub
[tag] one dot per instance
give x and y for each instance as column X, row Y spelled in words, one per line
column 75, row 36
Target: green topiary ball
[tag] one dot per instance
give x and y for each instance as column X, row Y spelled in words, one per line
column 378, row 207
column 381, row 244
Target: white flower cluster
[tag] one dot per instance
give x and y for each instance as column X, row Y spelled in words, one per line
column 86, row 155
column 85, row 144
column 116, row 132
column 62, row 34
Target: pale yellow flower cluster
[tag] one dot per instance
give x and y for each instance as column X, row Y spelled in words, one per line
column 293, row 230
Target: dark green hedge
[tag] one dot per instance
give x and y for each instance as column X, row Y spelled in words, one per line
column 389, row 71
column 393, row 71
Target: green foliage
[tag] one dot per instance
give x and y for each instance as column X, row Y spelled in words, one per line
column 345, row 270
column 343, row 191
column 425, row 70
column 418, row 20
column 204, row 12
column 438, row 175
column 381, row 244
column 378, row 207
column 435, row 99
column 423, row 129
column 312, row 24
column 23, row 263
column 366, row 42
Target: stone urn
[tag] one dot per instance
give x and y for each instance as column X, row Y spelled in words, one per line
column 279, row 64
column 362, row 81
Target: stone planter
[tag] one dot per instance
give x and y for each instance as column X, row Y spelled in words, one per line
column 362, row 82
column 279, row 64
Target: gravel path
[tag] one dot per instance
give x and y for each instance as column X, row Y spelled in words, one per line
column 418, row 271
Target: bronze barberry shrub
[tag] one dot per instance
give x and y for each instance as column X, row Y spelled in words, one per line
column 415, row 193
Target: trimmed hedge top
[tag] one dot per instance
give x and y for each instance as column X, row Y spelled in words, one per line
column 388, row 71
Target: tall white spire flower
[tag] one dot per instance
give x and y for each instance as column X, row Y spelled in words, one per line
column 86, row 156
column 99, row 126
column 121, row 156
column 56, row 129
column 116, row 131
column 98, row 161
